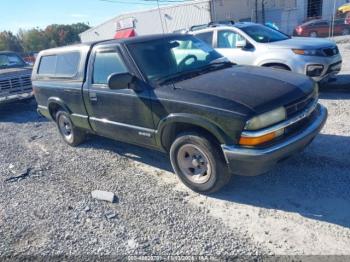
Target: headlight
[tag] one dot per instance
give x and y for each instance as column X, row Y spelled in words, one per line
column 308, row 52
column 266, row 119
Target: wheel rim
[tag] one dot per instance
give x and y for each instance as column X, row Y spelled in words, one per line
column 65, row 127
column 194, row 164
column 345, row 32
column 313, row 34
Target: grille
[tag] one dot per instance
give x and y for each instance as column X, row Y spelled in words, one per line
column 15, row 85
column 299, row 106
column 336, row 67
column 331, row 51
column 297, row 126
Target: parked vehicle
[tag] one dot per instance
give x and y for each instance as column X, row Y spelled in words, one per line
column 258, row 45
column 176, row 94
column 322, row 28
column 15, row 74
column 30, row 57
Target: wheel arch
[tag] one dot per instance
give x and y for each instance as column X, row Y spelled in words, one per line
column 270, row 64
column 54, row 104
column 170, row 127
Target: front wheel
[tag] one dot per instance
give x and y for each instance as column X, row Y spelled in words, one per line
column 199, row 163
column 70, row 134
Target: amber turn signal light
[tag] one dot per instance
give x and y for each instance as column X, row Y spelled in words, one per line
column 253, row 141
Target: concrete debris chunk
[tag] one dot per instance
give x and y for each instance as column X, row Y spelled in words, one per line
column 103, row 195
column 35, row 137
column 110, row 215
column 132, row 244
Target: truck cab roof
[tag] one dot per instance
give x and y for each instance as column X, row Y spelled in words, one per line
column 89, row 45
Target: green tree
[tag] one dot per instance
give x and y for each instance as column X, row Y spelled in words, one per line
column 33, row 40
column 61, row 35
column 9, row 42
column 36, row 39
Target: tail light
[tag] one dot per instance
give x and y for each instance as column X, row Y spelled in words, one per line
column 299, row 30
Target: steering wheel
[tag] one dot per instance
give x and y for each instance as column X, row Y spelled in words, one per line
column 183, row 64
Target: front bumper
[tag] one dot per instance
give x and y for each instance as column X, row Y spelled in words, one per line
column 331, row 66
column 15, row 97
column 251, row 161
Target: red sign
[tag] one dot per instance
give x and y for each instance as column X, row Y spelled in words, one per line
column 125, row 33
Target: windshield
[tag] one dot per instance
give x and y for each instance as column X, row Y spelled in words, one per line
column 172, row 56
column 11, row 60
column 264, row 34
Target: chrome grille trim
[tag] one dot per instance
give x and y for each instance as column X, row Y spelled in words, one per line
column 15, row 84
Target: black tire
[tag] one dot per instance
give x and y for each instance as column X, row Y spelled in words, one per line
column 72, row 135
column 280, row 67
column 217, row 174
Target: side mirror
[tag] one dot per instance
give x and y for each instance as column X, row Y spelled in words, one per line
column 121, row 81
column 241, row 44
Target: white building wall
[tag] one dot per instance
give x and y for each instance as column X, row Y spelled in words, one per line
column 232, row 10
column 152, row 22
column 285, row 13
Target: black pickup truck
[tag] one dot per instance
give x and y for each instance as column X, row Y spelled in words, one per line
column 176, row 94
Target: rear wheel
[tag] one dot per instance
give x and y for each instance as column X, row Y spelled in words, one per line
column 199, row 163
column 313, row 34
column 72, row 135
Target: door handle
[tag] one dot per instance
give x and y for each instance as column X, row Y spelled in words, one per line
column 93, row 96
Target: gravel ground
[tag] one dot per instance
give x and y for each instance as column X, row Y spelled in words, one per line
column 300, row 208
column 51, row 212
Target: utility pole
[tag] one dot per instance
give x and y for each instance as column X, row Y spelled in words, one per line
column 263, row 11
column 331, row 31
column 256, row 11
column 160, row 16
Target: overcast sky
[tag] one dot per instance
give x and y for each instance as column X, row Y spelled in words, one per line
column 27, row 14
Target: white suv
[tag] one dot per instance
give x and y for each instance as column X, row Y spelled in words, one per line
column 259, row 45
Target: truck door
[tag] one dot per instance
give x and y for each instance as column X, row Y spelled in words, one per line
column 227, row 42
column 122, row 114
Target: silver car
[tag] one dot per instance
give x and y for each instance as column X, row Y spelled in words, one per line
column 259, row 45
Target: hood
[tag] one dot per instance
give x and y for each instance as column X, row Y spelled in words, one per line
column 15, row 71
column 257, row 88
column 302, row 42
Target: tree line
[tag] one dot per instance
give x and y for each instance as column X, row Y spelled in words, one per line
column 35, row 40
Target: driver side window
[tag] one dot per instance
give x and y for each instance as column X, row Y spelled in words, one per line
column 105, row 64
column 228, row 39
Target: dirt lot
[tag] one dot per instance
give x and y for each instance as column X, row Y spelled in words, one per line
column 301, row 207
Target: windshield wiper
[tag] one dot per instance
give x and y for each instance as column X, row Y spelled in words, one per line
column 214, row 65
column 177, row 76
